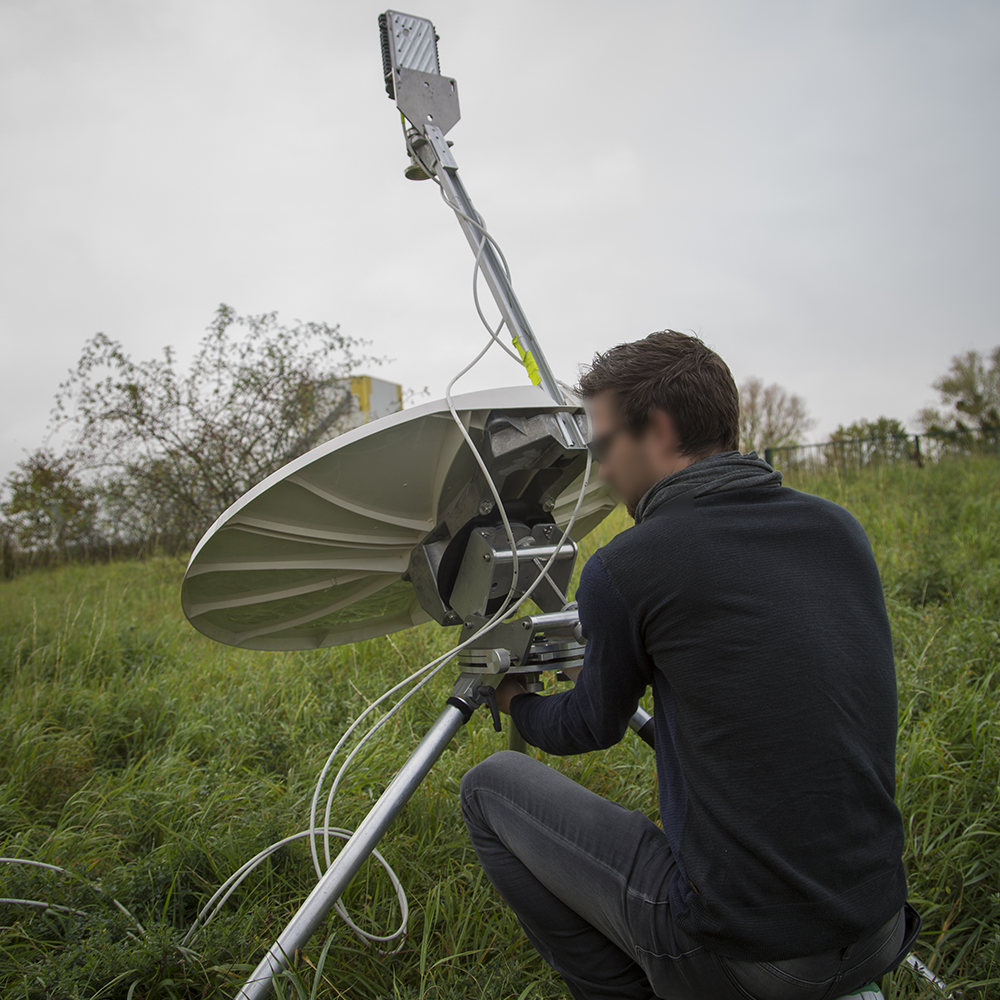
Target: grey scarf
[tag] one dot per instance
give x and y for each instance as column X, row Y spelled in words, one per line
column 727, row 470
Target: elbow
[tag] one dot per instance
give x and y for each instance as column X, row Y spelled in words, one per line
column 605, row 736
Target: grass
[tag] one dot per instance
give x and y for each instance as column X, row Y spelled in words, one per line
column 153, row 762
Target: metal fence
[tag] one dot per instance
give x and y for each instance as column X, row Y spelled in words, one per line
column 854, row 455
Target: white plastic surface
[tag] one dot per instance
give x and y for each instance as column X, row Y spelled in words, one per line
column 314, row 555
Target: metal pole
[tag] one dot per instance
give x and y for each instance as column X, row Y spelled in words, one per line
column 507, row 302
column 642, row 725
column 515, row 741
column 353, row 855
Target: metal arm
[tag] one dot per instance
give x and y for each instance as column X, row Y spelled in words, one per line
column 429, row 101
column 494, row 273
column 492, row 269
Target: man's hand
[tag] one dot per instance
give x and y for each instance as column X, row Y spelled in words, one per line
column 509, row 688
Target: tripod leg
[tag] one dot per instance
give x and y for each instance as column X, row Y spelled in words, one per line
column 354, row 853
column 515, row 741
column 642, row 725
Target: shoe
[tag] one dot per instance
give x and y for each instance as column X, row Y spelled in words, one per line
column 869, row 992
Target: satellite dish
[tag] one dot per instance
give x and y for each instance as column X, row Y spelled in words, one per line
column 326, row 551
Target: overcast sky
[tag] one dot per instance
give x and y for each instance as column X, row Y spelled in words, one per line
column 809, row 186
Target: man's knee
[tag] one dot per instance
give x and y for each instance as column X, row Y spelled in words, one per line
column 491, row 774
column 487, row 773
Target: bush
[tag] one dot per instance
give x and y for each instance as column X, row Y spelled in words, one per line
column 154, row 454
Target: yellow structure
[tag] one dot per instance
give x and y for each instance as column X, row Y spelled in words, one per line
column 375, row 398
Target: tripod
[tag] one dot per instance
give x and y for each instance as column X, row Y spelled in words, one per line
column 547, row 639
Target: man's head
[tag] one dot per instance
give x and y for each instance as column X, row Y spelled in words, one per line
column 657, row 405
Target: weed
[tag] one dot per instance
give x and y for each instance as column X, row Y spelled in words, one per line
column 154, row 763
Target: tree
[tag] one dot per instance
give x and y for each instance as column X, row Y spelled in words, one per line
column 864, row 430
column 970, row 393
column 49, row 505
column 169, row 451
column 770, row 416
column 868, row 441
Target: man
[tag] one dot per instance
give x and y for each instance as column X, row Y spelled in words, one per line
column 756, row 614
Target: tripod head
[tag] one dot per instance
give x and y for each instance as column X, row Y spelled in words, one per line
column 463, row 568
column 464, row 571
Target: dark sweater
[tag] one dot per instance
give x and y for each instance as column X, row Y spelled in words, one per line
column 757, row 616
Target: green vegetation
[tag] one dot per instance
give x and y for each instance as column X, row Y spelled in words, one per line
column 152, row 452
column 153, row 762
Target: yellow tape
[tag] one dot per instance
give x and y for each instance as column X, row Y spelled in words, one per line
column 529, row 363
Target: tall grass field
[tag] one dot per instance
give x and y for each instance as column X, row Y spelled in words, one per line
column 151, row 763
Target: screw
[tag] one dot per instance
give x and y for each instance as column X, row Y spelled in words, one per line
column 485, row 507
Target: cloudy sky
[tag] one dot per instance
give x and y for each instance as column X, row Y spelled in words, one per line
column 810, row 186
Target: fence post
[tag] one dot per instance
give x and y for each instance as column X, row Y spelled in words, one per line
column 768, row 455
column 917, row 457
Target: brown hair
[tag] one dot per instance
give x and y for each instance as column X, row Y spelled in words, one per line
column 675, row 372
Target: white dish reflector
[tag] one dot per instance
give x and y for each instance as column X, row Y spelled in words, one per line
column 315, row 554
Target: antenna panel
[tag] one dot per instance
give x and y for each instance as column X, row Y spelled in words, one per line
column 413, row 73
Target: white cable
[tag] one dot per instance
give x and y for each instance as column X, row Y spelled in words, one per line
column 543, row 574
column 552, row 583
column 228, row 887
column 430, row 670
column 476, row 268
column 440, row 662
column 507, row 529
column 434, row 667
column 40, row 904
column 79, row 878
column 479, row 224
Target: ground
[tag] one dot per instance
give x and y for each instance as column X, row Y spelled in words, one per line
column 154, row 762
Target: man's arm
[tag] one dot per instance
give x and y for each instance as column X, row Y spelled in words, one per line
column 595, row 713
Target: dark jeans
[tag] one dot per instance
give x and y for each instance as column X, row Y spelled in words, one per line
column 588, row 880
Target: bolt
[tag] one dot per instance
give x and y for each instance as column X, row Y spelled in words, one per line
column 485, row 507
column 526, row 624
column 487, row 557
column 498, row 660
column 548, row 504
